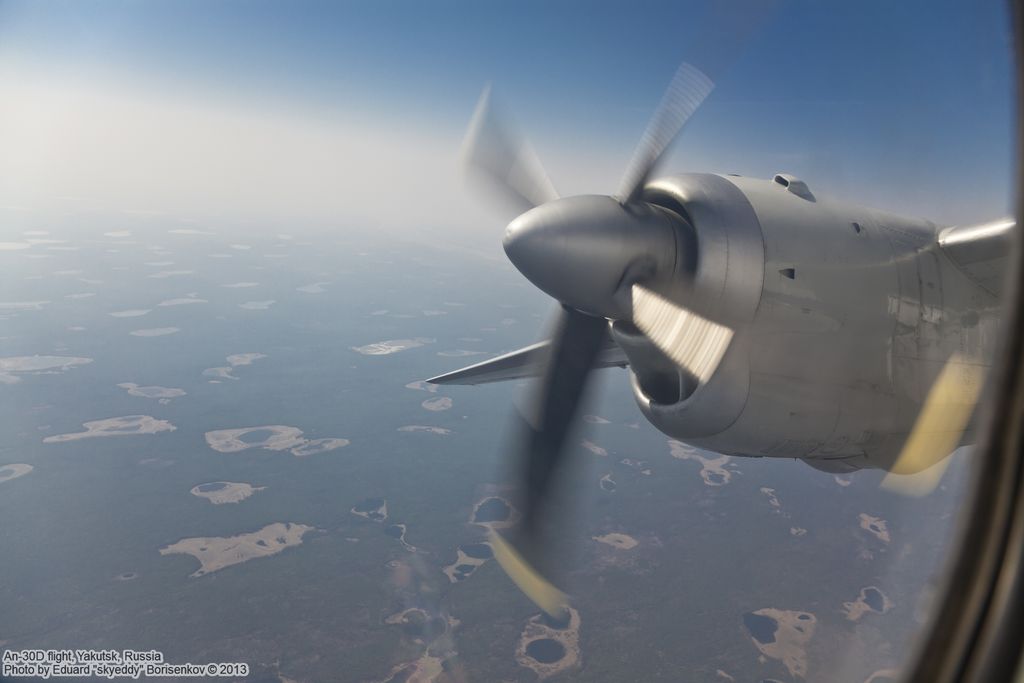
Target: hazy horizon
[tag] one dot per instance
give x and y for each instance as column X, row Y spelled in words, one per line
column 354, row 113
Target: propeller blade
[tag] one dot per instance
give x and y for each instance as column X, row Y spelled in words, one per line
column 694, row 343
column 575, row 345
column 576, row 341
column 530, row 581
column 937, row 430
column 497, row 153
column 723, row 33
column 687, row 90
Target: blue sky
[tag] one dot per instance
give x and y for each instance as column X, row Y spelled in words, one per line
column 905, row 106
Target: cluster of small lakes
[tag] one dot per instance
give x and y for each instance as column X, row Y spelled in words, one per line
column 545, row 647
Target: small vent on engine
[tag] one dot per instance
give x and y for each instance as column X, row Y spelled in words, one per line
column 794, row 185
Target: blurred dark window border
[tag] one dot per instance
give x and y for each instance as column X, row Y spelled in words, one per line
column 977, row 629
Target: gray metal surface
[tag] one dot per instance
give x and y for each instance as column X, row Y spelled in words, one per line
column 857, row 313
column 980, row 251
column 586, row 251
column 843, row 316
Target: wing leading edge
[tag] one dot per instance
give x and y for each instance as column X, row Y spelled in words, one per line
column 526, row 362
column 980, row 251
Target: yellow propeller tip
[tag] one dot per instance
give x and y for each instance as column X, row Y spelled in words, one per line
column 554, row 602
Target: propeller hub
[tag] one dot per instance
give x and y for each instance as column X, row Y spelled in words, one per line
column 588, row 251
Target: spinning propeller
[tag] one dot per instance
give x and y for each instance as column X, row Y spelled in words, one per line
column 602, row 258
column 620, row 258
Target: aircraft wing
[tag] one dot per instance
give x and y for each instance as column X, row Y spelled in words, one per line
column 980, row 251
column 525, row 362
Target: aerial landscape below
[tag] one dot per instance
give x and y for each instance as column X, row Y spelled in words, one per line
column 288, row 493
column 248, row 273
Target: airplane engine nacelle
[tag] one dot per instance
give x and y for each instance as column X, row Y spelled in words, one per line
column 722, row 281
column 854, row 313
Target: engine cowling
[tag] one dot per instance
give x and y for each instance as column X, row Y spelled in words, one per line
column 842, row 316
column 722, row 282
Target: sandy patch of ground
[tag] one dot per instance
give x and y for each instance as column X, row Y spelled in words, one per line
column 437, row 404
column 594, row 448
column 616, row 540
column 315, row 288
column 465, row 565
column 15, row 306
column 314, row 446
column 258, row 305
column 794, row 630
column 116, row 426
column 155, row 332
column 482, row 518
column 423, row 428
column 397, row 532
column 638, row 465
column 279, row 438
column 12, row 366
column 183, row 301
column 713, row 466
column 537, row 629
column 875, row 526
column 407, row 616
column 220, row 492
column 423, row 624
column 773, row 499
column 862, row 605
column 426, row 669
column 13, row 471
column 219, row 373
column 234, row 360
column 373, row 509
column 165, row 394
column 422, row 386
column 383, row 348
column 170, row 273
column 219, row 552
